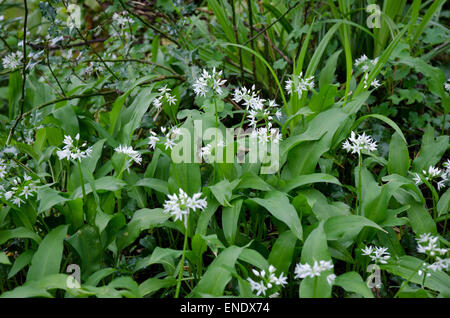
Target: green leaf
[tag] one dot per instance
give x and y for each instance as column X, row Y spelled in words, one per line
column 399, row 161
column 86, row 242
column 278, row 205
column 19, row 232
column 47, row 259
column 23, row 260
column 155, row 184
column 48, row 198
column 431, row 150
column 142, row 220
column 315, row 249
column 347, row 227
column 299, row 181
column 223, row 190
column 217, row 276
column 165, row 256
column 230, row 218
column 4, row 259
column 352, row 282
column 152, row 285
column 408, row 266
column 185, row 176
column 282, row 252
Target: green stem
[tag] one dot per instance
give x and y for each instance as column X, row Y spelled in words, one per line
column 81, row 180
column 180, row 274
column 359, row 187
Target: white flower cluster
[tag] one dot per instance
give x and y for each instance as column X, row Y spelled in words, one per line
column 379, row 255
column 428, row 244
column 433, row 173
column 207, row 82
column 122, row 20
column 12, row 60
column 259, row 109
column 447, row 86
column 153, row 139
column 165, row 96
column 300, row 84
column 171, row 136
column 71, row 151
column 375, row 83
column 306, row 270
column 365, row 62
column 130, row 152
column 19, row 189
column 179, row 206
column 439, row 265
column 355, row 144
column 268, row 280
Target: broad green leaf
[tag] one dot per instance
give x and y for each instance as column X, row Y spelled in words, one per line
column 352, row 282
column 217, row 276
column 142, row 220
column 347, row 227
column 47, row 259
column 398, row 156
column 230, row 218
column 278, row 205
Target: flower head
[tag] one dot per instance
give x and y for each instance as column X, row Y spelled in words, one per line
column 12, row 60
column 209, row 82
column 299, row 84
column 179, row 206
column 355, row 144
column 130, row 152
column 268, row 281
column 72, row 149
column 379, row 255
column 307, row 270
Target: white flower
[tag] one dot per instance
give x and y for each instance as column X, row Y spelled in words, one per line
column 357, row 144
column 428, row 244
column 12, row 60
column 377, row 254
column 330, row 279
column 361, row 60
column 268, row 280
column 130, row 152
column 157, row 103
column 121, row 20
column 71, row 151
column 178, row 206
column 300, row 84
column 306, row 270
column 447, row 86
column 417, row 179
column 153, row 139
column 375, row 83
column 207, row 82
column 169, row 143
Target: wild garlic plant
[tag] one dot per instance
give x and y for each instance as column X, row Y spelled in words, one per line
column 359, row 144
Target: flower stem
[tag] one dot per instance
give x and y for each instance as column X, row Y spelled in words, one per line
column 359, row 187
column 180, row 274
column 81, row 180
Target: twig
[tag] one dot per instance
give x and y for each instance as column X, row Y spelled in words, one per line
column 273, row 23
column 69, row 98
column 137, row 61
column 149, row 25
column 58, row 47
column 53, row 74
